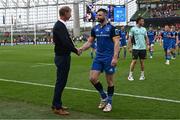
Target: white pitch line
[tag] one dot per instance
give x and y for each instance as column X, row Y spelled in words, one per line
column 42, row 65
column 92, row 91
column 45, row 63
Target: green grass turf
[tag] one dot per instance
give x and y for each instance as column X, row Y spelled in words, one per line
column 29, row 101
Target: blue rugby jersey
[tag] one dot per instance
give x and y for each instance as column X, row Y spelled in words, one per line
column 151, row 35
column 123, row 35
column 104, row 35
column 166, row 36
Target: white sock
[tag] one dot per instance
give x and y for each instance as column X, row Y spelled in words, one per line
column 142, row 73
column 130, row 73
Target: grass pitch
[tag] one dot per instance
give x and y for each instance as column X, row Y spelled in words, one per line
column 34, row 63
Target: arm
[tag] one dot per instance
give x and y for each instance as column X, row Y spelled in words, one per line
column 60, row 34
column 116, row 50
column 160, row 38
column 116, row 46
column 147, row 40
column 130, row 40
column 115, row 37
column 127, row 35
column 91, row 39
column 130, row 44
column 156, row 36
column 88, row 44
column 177, row 39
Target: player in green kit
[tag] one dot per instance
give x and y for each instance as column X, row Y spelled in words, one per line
column 138, row 40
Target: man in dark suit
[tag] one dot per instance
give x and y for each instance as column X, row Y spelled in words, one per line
column 63, row 48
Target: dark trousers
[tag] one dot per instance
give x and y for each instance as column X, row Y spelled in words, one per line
column 63, row 65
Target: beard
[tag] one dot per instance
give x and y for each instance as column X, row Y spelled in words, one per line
column 141, row 24
column 101, row 20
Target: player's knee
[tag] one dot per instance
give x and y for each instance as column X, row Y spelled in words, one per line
column 93, row 79
column 134, row 62
column 142, row 65
column 110, row 83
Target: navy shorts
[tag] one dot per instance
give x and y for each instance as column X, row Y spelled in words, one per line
column 151, row 43
column 167, row 47
column 174, row 44
column 123, row 43
column 141, row 54
column 103, row 65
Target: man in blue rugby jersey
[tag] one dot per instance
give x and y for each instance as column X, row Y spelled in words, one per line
column 123, row 39
column 106, row 59
column 174, row 38
column 152, row 36
column 167, row 43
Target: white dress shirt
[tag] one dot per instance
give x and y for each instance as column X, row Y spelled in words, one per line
column 62, row 21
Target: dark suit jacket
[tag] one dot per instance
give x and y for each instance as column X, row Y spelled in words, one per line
column 62, row 40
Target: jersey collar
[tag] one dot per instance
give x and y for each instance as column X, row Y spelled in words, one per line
column 104, row 25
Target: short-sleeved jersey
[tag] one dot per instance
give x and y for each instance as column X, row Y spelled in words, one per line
column 94, row 45
column 104, row 39
column 138, row 34
column 123, row 35
column 151, row 35
column 166, row 36
column 174, row 35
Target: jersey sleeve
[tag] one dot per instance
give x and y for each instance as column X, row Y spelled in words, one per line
column 172, row 34
column 93, row 34
column 145, row 34
column 176, row 34
column 114, row 32
column 155, row 33
column 161, row 34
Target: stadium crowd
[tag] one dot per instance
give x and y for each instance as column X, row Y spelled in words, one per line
column 164, row 11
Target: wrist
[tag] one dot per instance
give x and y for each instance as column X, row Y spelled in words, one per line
column 115, row 57
column 129, row 47
column 81, row 48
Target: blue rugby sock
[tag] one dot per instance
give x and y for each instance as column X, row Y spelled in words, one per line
column 99, row 88
column 168, row 57
column 110, row 93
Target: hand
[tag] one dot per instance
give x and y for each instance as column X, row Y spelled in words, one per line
column 148, row 47
column 79, row 51
column 130, row 50
column 114, row 62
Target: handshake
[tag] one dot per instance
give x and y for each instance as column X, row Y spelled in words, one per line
column 79, row 51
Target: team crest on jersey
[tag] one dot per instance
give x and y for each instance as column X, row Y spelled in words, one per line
column 116, row 31
column 107, row 29
column 111, row 70
column 97, row 30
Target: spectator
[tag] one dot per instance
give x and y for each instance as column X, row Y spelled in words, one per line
column 164, row 11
